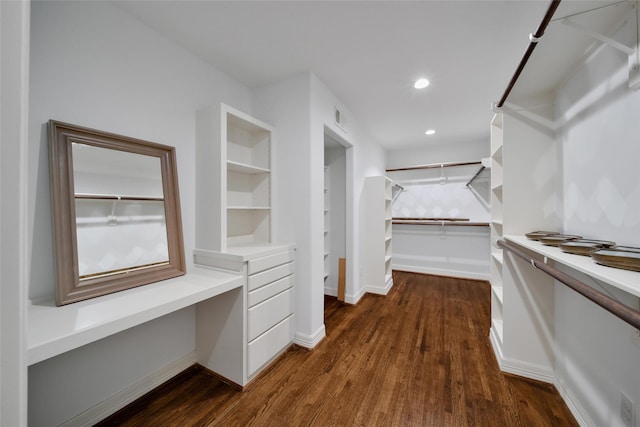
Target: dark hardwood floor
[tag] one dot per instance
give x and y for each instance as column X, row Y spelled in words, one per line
column 418, row 357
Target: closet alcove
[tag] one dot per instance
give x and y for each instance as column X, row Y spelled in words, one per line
column 335, row 197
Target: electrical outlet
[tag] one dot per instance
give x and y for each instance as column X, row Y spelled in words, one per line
column 626, row 410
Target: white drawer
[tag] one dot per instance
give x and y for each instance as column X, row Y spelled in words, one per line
column 267, row 291
column 256, row 280
column 261, row 264
column 265, row 315
column 268, row 345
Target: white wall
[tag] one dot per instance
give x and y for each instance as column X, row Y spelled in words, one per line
column 365, row 158
column 94, row 66
column 598, row 141
column 451, row 251
column 300, row 108
column 287, row 107
column 424, row 194
column 14, row 66
column 464, row 151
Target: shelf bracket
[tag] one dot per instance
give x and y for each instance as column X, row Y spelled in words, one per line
column 631, row 52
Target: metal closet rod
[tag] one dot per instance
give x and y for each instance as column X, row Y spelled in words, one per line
column 614, row 307
column 534, row 38
column 434, row 165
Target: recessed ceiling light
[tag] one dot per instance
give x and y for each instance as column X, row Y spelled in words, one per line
column 430, row 132
column 421, row 83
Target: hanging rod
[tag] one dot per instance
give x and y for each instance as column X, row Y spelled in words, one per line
column 614, row 307
column 116, row 197
column 434, row 165
column 533, row 41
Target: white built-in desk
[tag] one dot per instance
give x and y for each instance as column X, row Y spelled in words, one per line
column 628, row 281
column 54, row 330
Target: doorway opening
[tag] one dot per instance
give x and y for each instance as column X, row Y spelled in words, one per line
column 337, row 262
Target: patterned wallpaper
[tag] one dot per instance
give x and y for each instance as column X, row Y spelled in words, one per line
column 451, row 200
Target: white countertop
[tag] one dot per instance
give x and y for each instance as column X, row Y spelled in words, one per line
column 626, row 280
column 54, row 330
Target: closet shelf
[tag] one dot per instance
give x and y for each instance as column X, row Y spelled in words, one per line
column 498, row 292
column 55, row 330
column 497, row 154
column 257, row 208
column 626, row 280
column 245, row 168
column 498, row 256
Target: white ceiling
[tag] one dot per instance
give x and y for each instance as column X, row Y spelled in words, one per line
column 368, row 53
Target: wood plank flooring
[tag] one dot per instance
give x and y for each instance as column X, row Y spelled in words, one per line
column 418, row 357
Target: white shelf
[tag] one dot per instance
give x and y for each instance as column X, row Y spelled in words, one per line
column 497, row 188
column 249, row 208
column 497, row 291
column 497, row 222
column 245, row 168
column 55, row 330
column 498, row 257
column 497, row 154
column 628, row 281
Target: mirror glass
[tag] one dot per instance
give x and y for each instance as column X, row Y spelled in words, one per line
column 116, row 212
column 120, row 221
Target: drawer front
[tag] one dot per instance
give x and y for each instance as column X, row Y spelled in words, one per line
column 265, row 315
column 261, row 264
column 268, row 345
column 267, row 291
column 256, row 280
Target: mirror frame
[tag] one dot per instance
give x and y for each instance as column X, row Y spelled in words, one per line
column 69, row 288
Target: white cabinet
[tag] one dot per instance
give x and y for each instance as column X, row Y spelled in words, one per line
column 523, row 199
column 242, row 331
column 379, row 241
column 241, row 334
column 233, row 170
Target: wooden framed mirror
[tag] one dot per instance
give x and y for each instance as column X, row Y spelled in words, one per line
column 116, row 212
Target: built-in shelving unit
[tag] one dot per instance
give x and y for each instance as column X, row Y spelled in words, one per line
column 519, row 148
column 233, row 167
column 248, row 164
column 495, row 268
column 379, row 238
column 241, row 332
column 327, row 221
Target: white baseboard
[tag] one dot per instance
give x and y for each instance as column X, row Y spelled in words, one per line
column 309, row 341
column 121, row 399
column 332, row 292
column 353, row 299
column 496, row 344
column 528, row 370
column 442, row 272
column 378, row 290
column 574, row 405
